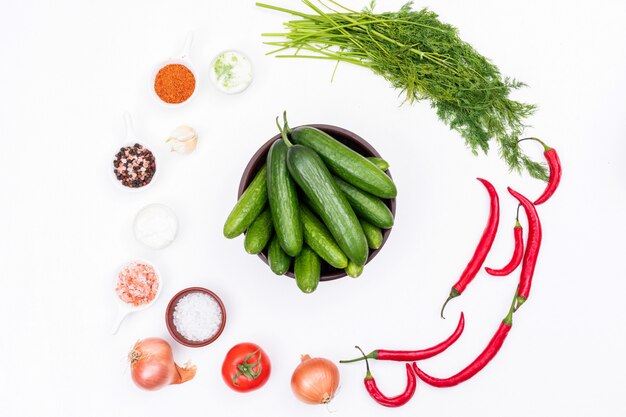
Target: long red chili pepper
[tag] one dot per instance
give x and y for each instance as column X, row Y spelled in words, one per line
column 554, row 163
column 518, row 252
column 479, row 363
column 382, row 399
column 533, row 244
column 413, row 355
column 489, row 234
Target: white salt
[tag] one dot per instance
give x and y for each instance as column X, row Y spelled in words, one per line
column 197, row 316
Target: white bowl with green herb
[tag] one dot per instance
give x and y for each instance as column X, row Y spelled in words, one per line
column 231, row 72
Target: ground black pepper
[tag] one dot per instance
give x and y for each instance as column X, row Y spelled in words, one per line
column 134, row 166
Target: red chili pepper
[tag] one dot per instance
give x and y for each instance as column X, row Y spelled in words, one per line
column 413, row 355
column 382, row 399
column 518, row 252
column 533, row 243
column 489, row 234
column 479, row 363
column 554, row 163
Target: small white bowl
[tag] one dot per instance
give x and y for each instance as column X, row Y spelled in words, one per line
column 123, row 308
column 183, row 59
column 167, row 212
column 129, row 140
column 215, row 80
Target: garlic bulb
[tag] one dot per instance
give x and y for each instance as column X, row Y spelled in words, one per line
column 183, row 140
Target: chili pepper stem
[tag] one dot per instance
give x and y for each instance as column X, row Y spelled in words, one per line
column 368, row 375
column 545, row 147
column 371, row 355
column 453, row 293
column 519, row 300
column 508, row 320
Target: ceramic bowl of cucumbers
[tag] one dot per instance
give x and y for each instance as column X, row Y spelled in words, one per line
column 316, row 203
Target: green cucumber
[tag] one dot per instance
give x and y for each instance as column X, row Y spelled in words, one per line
column 310, row 173
column 259, row 233
column 379, row 162
column 317, row 236
column 346, row 163
column 307, row 270
column 250, row 205
column 278, row 260
column 283, row 199
column 366, row 206
column 373, row 234
column 353, row 270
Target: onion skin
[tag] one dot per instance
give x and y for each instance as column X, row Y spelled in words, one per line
column 152, row 365
column 315, row 380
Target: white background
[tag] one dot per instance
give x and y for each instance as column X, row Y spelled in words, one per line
column 69, row 69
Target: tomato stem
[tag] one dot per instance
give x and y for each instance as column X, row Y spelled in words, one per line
column 247, row 369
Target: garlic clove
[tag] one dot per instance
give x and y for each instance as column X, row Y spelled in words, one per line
column 183, row 133
column 183, row 140
column 185, row 147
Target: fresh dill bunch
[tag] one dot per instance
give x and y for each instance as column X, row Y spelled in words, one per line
column 426, row 60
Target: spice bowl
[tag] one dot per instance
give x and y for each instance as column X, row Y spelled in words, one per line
column 155, row 226
column 351, row 140
column 181, row 309
column 231, row 72
column 125, row 308
column 130, row 139
column 181, row 59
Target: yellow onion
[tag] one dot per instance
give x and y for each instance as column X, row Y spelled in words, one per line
column 152, row 365
column 315, row 380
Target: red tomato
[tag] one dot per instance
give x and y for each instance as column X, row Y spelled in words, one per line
column 246, row 367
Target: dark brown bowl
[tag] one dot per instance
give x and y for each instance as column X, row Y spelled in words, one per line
column 169, row 317
column 349, row 139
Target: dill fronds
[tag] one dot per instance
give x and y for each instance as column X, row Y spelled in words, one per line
column 423, row 58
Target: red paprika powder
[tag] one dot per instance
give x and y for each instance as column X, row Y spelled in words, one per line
column 174, row 83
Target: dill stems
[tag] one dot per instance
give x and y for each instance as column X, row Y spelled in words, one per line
column 425, row 59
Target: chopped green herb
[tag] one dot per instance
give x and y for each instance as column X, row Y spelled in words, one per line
column 223, row 71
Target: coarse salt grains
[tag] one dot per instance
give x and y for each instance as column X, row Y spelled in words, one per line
column 137, row 284
column 197, row 316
